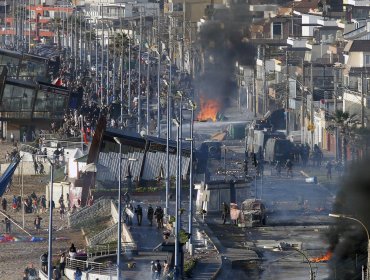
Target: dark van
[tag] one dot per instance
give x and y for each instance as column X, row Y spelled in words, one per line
column 278, row 150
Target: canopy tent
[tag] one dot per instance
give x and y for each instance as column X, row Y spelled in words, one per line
column 6, row 178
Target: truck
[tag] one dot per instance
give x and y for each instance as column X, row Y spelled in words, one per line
column 256, row 139
column 278, row 150
column 253, row 213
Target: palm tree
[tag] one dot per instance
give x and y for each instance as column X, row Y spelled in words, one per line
column 119, row 44
column 345, row 123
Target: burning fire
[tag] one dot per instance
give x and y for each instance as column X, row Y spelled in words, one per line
column 208, row 109
column 323, row 258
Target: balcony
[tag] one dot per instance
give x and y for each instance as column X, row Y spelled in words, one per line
column 297, row 42
column 359, row 3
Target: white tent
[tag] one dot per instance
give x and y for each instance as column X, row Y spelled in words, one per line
column 74, row 166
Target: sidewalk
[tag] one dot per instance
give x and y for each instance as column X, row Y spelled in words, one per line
column 149, row 237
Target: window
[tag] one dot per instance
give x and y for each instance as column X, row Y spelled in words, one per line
column 277, row 30
column 367, row 60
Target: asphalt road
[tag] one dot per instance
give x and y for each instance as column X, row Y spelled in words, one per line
column 297, row 214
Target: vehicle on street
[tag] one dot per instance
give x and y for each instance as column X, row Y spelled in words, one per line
column 253, row 213
column 278, row 150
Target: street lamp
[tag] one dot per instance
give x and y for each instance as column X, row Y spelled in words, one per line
column 177, row 204
column 147, row 90
column 193, row 107
column 288, row 247
column 158, row 94
column 169, row 110
column 341, row 216
column 50, row 233
column 167, row 151
column 119, row 244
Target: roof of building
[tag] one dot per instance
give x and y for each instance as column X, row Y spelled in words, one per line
column 357, row 46
column 305, row 6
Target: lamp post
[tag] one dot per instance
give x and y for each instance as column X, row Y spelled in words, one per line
column 341, row 216
column 169, row 110
column 50, row 231
column 129, row 77
column 139, row 80
column 158, row 94
column 177, row 204
column 288, row 247
column 193, row 107
column 119, row 243
column 167, row 151
column 147, row 91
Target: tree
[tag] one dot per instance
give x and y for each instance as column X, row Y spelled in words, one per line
column 118, row 44
column 345, row 123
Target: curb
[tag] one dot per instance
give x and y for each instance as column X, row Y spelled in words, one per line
column 203, row 226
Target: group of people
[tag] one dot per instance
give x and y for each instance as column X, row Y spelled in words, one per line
column 158, row 214
column 159, row 271
column 59, row 269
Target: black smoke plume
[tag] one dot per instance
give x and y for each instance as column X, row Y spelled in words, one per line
column 347, row 238
column 223, row 43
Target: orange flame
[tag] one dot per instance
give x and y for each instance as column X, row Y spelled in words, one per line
column 323, row 258
column 208, row 109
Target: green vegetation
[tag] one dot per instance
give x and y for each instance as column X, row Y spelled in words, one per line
column 189, row 265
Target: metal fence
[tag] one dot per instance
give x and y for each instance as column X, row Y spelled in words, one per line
column 89, row 266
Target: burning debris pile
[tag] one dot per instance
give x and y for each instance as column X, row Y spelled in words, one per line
column 323, row 258
column 348, row 239
column 209, row 109
column 222, row 45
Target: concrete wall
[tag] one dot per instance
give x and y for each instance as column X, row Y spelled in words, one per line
column 126, row 234
column 89, row 276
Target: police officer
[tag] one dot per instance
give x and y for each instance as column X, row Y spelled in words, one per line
column 150, row 214
column 139, row 214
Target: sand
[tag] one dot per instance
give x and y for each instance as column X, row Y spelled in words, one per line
column 15, row 256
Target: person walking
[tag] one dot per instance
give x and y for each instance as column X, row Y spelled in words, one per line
column 152, row 269
column 157, row 270
column 289, row 167
column 8, row 223
column 72, row 251
column 329, row 167
column 166, row 269
column 4, row 204
column 225, row 212
column 62, row 263
column 139, row 214
column 278, row 168
column 78, row 274
column 158, row 213
column 150, row 214
column 62, row 210
column 37, row 223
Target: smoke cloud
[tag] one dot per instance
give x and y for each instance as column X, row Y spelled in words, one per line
column 347, row 239
column 222, row 44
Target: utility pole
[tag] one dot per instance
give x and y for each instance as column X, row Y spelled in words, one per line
column 304, row 100
column 311, row 113
column 363, row 100
column 183, row 36
column 287, row 94
column 139, row 80
column 335, row 110
column 264, row 93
